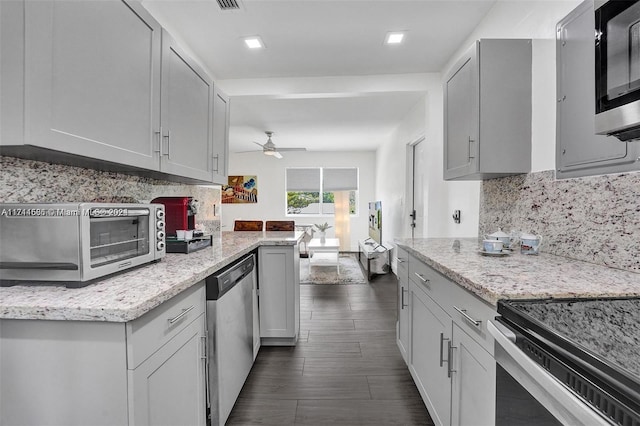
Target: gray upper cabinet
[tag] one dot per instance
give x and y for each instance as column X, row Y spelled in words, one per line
column 579, row 151
column 99, row 84
column 187, row 115
column 221, row 107
column 487, row 111
column 90, row 89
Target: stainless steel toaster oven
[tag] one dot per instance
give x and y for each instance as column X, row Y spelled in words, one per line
column 77, row 243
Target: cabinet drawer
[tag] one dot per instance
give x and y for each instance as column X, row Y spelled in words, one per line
column 154, row 329
column 402, row 263
column 465, row 308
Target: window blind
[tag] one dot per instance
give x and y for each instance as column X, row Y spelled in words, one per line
column 339, row 179
column 303, row 179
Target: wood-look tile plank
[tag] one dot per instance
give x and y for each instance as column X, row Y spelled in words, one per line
column 277, row 366
column 352, row 336
column 390, row 387
column 258, row 411
column 312, row 387
column 356, row 315
column 373, row 304
column 376, row 324
column 353, row 367
column 365, row 412
column 328, row 325
column 380, row 348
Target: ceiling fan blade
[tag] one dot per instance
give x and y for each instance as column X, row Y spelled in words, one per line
column 259, row 144
column 277, row 154
column 292, row 149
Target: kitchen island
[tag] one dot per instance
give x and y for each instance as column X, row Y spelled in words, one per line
column 127, row 296
column 131, row 348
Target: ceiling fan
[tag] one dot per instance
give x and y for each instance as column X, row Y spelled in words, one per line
column 269, row 148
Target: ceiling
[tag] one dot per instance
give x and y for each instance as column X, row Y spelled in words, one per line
column 319, row 38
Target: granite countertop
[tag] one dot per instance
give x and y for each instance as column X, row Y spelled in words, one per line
column 518, row 276
column 127, row 296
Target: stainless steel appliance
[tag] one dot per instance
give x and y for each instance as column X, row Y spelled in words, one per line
column 617, row 70
column 230, row 329
column 77, row 242
column 567, row 362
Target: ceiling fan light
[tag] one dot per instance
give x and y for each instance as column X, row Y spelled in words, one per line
column 269, row 152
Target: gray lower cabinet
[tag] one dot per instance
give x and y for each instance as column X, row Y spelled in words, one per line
column 487, row 111
column 101, row 85
column 473, row 381
column 430, row 333
column 579, row 150
column 279, row 294
column 402, row 332
column 451, row 358
column 150, row 371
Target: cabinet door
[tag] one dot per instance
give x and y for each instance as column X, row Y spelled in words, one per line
column 221, row 109
column 187, row 114
column 473, row 387
column 430, row 333
column 92, row 80
column 279, row 296
column 580, row 151
column 169, row 387
column 403, row 331
column 461, row 122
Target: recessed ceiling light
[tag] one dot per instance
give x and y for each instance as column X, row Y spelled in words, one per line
column 395, row 37
column 254, row 42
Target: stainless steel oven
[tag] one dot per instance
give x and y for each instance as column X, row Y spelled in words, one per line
column 617, row 69
column 77, row 243
column 548, row 375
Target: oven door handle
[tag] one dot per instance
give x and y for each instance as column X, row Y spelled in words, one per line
column 545, row 388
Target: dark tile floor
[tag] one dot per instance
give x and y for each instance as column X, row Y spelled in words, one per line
column 346, row 369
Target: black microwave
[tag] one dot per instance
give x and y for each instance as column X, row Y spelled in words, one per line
column 617, row 69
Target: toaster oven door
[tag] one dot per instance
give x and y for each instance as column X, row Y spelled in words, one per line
column 116, row 238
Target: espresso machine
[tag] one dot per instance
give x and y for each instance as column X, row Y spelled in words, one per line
column 180, row 225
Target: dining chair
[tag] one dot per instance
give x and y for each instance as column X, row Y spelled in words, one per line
column 280, row 225
column 247, row 225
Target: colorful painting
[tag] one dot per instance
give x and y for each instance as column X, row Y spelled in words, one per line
column 240, row 190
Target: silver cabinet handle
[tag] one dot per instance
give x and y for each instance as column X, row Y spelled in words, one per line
column 400, row 260
column 168, row 138
column 159, row 150
column 217, row 158
column 442, row 339
column 450, row 349
column 471, row 153
column 402, row 305
column 466, row 316
column 181, row 314
column 423, row 279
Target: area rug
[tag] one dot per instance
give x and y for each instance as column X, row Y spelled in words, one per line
column 350, row 272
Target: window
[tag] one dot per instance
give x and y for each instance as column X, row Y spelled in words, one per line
column 305, row 184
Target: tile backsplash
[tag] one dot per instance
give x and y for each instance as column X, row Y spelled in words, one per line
column 594, row 219
column 26, row 181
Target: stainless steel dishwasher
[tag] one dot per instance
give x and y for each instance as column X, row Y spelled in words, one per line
column 229, row 334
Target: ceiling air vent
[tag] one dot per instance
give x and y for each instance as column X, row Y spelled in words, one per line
column 228, row 4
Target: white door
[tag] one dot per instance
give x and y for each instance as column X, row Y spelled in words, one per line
column 419, row 178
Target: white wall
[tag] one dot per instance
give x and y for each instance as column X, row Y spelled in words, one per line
column 507, row 19
column 271, row 203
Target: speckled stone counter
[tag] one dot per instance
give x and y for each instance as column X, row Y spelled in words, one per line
column 518, row 276
column 129, row 295
column 593, row 325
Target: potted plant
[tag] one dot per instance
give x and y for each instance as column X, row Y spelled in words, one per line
column 322, row 228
